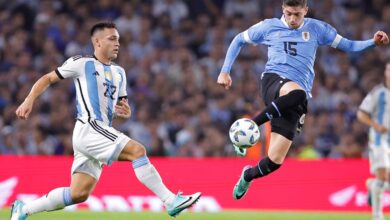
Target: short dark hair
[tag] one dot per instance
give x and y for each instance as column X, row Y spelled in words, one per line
column 100, row 26
column 294, row 3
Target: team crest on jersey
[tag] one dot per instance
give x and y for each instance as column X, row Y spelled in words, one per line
column 306, row 36
column 108, row 75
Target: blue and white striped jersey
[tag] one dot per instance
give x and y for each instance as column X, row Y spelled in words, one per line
column 98, row 87
column 377, row 104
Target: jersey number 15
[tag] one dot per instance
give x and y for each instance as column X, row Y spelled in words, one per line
column 289, row 48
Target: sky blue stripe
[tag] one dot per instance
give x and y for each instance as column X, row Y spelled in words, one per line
column 381, row 112
column 114, row 155
column 143, row 161
column 110, row 107
column 140, row 162
column 67, row 197
column 93, row 88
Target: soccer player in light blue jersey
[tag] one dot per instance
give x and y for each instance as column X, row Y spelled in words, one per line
column 101, row 95
column 374, row 111
column 287, row 80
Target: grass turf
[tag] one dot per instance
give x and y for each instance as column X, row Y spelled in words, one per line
column 226, row 215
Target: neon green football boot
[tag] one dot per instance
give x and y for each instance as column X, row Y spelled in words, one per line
column 181, row 203
column 241, row 186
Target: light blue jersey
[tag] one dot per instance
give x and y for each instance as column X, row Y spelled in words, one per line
column 292, row 52
column 98, row 87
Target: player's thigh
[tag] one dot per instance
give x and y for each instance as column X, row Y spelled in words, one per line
column 379, row 161
column 278, row 149
column 81, row 186
column 98, row 141
column 132, row 150
column 288, row 87
column 85, row 164
column 270, row 86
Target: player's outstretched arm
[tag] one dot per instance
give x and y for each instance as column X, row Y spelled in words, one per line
column 24, row 109
column 380, row 38
column 224, row 78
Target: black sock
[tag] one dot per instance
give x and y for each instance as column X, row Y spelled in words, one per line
column 265, row 167
column 280, row 105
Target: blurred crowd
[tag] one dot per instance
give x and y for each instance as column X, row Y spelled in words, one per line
column 172, row 51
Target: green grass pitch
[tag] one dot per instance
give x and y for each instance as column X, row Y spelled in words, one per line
column 226, row 215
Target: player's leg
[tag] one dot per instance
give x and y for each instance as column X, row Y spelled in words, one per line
column 149, row 176
column 376, row 188
column 144, row 170
column 283, row 131
column 80, row 188
column 379, row 164
column 291, row 95
column 278, row 149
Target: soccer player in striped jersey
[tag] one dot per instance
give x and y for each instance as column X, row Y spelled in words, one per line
column 374, row 111
column 101, row 96
column 287, row 80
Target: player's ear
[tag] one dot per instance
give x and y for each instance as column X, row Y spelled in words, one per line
column 95, row 41
column 306, row 10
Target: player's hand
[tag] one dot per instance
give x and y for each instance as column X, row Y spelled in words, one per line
column 239, row 151
column 380, row 128
column 24, row 109
column 224, row 80
column 122, row 109
column 381, row 38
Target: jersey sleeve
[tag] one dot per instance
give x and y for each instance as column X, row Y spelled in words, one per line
column 256, row 33
column 71, row 68
column 327, row 34
column 368, row 103
column 122, row 85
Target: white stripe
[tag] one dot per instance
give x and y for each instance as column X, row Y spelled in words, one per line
column 246, row 37
column 336, row 41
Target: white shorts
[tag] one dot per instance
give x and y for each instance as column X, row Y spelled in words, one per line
column 379, row 158
column 95, row 144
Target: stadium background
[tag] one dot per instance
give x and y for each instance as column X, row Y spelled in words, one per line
column 172, row 51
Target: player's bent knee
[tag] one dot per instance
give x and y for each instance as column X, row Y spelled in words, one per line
column 80, row 196
column 299, row 95
column 140, row 151
column 132, row 151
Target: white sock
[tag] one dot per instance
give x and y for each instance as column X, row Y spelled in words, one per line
column 377, row 191
column 148, row 175
column 54, row 200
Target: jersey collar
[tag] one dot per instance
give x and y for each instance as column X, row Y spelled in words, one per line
column 285, row 23
column 101, row 61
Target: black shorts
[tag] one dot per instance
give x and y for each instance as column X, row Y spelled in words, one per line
column 287, row 124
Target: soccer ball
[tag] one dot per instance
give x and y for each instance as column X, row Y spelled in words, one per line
column 244, row 133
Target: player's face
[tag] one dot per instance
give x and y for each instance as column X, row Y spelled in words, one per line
column 109, row 43
column 294, row 15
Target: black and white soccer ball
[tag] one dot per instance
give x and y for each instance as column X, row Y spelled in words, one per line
column 244, row 133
